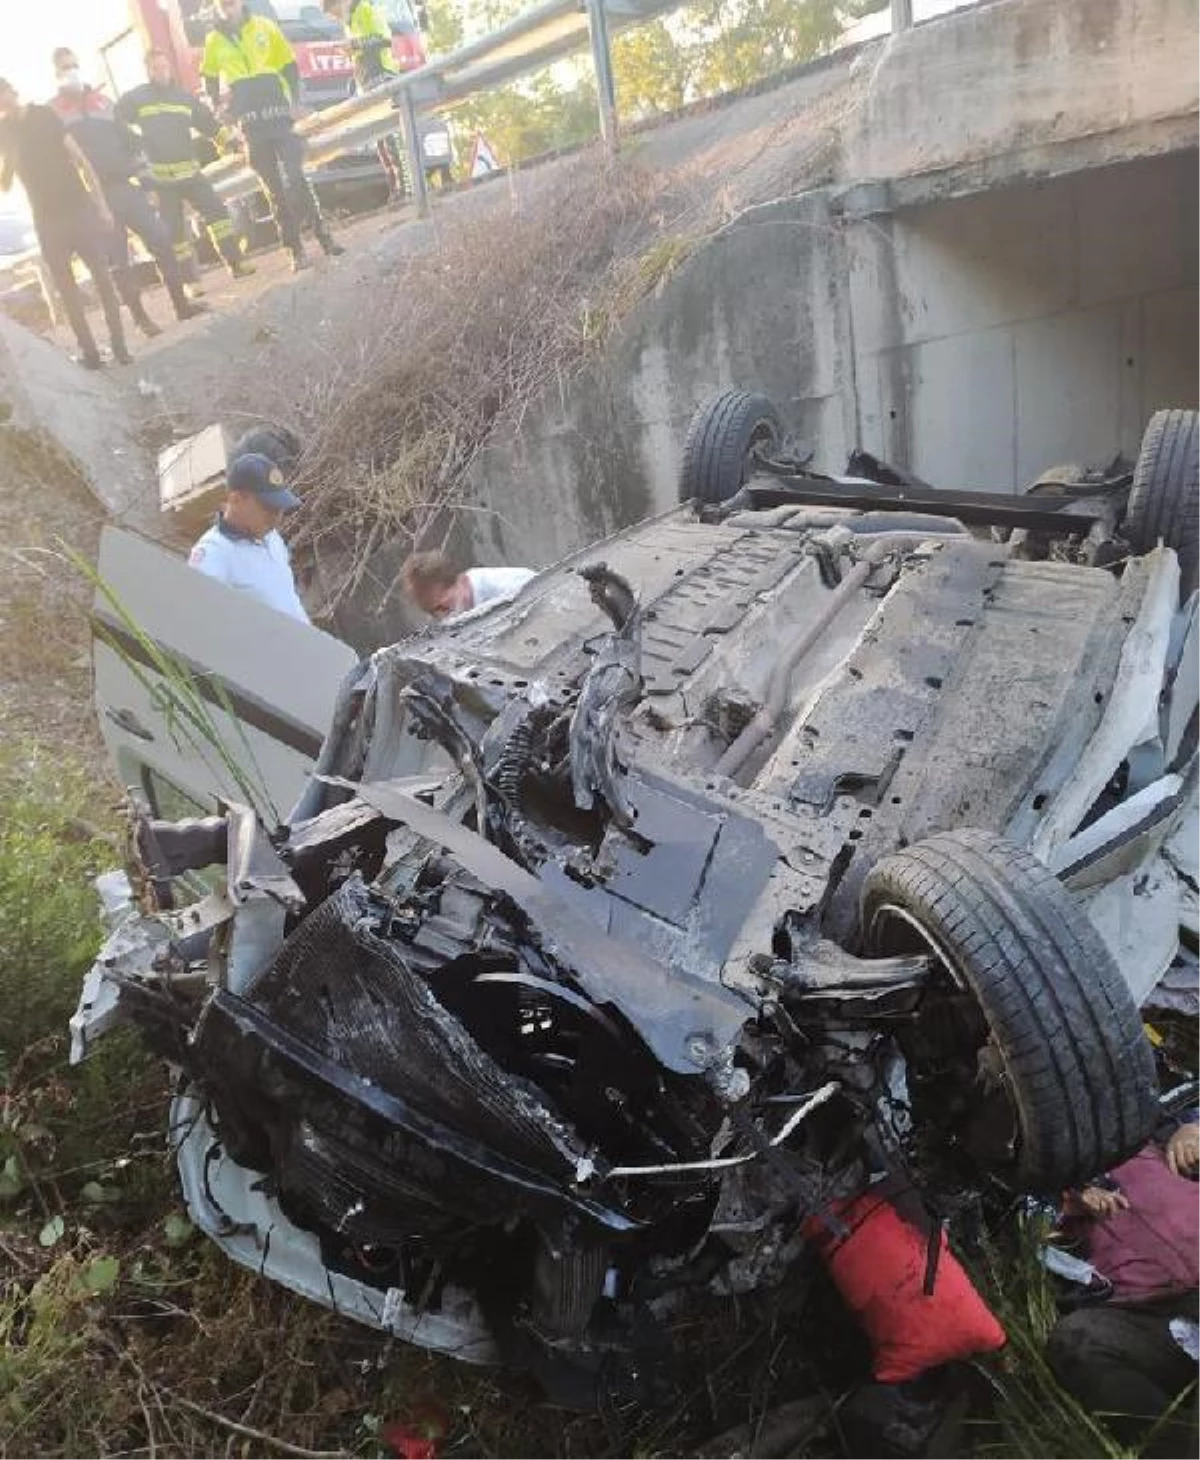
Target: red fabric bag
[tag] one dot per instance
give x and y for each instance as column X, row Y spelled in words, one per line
column 880, row 1270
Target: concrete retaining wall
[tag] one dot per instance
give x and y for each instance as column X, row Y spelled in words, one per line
column 1004, row 280
column 976, row 341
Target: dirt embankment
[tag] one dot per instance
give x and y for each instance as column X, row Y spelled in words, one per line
column 46, row 513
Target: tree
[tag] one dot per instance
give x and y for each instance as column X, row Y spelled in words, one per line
column 652, row 69
column 704, row 49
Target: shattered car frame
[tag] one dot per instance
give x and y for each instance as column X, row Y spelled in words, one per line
column 737, row 861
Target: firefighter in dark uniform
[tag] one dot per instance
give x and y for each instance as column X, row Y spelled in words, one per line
column 369, row 37
column 167, row 120
column 111, row 148
column 251, row 55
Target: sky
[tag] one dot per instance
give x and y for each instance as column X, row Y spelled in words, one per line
column 30, row 29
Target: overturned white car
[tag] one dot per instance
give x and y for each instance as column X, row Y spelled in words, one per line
column 818, row 829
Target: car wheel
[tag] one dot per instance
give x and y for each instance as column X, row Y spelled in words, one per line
column 1164, row 501
column 1028, row 1054
column 721, row 440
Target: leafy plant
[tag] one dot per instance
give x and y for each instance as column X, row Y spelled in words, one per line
column 184, row 701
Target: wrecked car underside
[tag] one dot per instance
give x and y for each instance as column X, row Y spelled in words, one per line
column 739, row 861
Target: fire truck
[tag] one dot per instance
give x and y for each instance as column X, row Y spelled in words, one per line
column 322, row 58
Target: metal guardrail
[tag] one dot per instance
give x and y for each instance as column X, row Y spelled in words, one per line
column 537, row 37
column 545, row 33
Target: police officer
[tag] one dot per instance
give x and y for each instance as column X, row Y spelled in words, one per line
column 251, row 55
column 243, row 547
column 110, row 147
column 167, row 119
column 370, row 39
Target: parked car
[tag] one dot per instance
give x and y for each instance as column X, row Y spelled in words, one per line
column 620, row 929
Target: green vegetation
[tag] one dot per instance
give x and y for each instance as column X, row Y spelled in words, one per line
column 703, row 50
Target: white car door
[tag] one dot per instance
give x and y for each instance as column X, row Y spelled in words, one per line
column 178, row 656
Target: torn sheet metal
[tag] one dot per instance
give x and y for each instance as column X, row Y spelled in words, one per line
column 1178, row 991
column 1137, row 915
column 674, row 1013
column 1124, row 837
column 261, row 1238
column 1134, row 698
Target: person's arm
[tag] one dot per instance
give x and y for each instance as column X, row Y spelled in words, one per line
column 210, row 69
column 1094, row 1201
column 203, row 121
column 1183, row 1150
column 377, row 25
column 79, row 158
column 282, row 59
column 206, row 557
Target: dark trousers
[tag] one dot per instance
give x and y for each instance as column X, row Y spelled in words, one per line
column 199, row 194
column 133, row 212
column 83, row 236
column 390, row 149
column 1122, row 1364
column 392, row 160
column 278, row 159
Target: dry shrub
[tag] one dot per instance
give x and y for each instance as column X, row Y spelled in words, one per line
column 464, row 341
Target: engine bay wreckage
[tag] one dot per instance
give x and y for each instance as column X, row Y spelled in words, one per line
column 818, row 830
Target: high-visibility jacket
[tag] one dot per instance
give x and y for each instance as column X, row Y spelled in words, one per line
column 166, row 119
column 370, row 38
column 258, row 66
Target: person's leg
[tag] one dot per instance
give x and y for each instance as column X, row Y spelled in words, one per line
column 171, row 198
column 391, row 159
column 263, row 157
column 1122, row 1364
column 122, row 272
column 203, row 197
column 303, row 195
column 57, row 253
column 140, row 217
column 93, row 244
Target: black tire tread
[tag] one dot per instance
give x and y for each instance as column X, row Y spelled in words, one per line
column 1081, row 1069
column 1164, row 501
column 718, row 438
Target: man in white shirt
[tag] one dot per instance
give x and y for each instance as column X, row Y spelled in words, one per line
column 243, row 547
column 436, row 586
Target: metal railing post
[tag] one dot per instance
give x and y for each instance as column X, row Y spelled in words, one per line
column 416, row 158
column 902, row 15
column 606, row 90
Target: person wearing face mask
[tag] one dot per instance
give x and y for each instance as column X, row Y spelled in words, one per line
column 251, row 56
column 243, row 548
column 167, row 120
column 72, row 220
column 111, row 148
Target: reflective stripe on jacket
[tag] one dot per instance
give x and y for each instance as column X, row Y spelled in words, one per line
column 166, row 119
column 250, row 60
column 370, row 39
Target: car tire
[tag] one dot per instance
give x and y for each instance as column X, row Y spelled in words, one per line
column 1164, row 501
column 719, row 442
column 1071, row 1071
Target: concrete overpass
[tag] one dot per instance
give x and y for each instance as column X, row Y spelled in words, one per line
column 996, row 274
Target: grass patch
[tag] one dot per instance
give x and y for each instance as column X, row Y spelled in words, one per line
column 124, row 1332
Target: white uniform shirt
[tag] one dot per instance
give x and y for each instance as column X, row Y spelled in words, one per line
column 260, row 567
column 488, row 583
